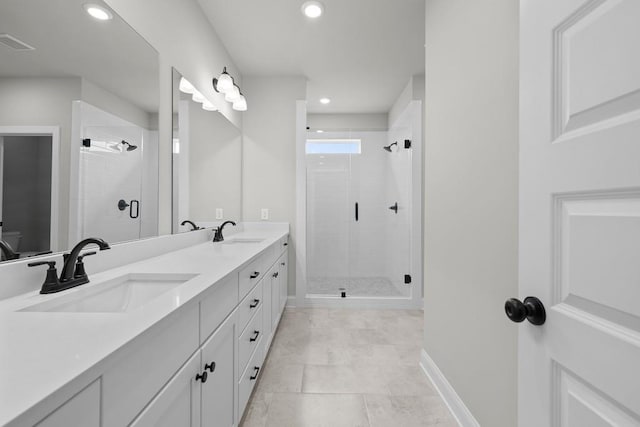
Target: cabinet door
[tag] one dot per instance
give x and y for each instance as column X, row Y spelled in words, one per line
column 178, row 403
column 219, row 360
column 82, row 410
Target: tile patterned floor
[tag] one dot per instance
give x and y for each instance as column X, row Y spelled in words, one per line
column 338, row 367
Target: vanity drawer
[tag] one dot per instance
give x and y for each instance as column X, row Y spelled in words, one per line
column 249, row 378
column 249, row 306
column 250, row 275
column 249, row 339
column 220, row 300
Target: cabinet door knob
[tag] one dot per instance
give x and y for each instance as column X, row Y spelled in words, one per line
column 275, row 274
column 254, row 304
column 202, row 377
column 285, row 244
column 255, row 337
column 254, row 275
column 210, row 366
column 255, row 374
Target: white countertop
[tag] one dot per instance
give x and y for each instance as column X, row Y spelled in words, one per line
column 41, row 353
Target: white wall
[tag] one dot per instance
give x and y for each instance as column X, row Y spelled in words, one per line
column 269, row 153
column 215, row 156
column 471, row 206
column 346, row 122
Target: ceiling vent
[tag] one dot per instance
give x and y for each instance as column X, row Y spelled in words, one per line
column 14, row 43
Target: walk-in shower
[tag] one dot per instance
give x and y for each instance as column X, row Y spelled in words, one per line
column 357, row 246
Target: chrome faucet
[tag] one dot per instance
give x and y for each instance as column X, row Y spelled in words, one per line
column 73, row 273
column 7, row 251
column 218, row 236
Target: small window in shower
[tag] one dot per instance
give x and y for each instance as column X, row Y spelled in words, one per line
column 333, row 146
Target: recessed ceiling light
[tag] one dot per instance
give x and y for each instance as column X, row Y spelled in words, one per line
column 320, row 131
column 98, row 12
column 325, row 100
column 312, row 9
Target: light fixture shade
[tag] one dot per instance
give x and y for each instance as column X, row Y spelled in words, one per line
column 225, row 82
column 207, row 105
column 185, row 86
column 233, row 94
column 240, row 104
column 197, row 96
column 312, row 9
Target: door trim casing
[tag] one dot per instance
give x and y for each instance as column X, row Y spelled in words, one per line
column 54, row 133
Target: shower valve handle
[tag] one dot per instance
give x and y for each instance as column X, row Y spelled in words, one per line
column 122, row 205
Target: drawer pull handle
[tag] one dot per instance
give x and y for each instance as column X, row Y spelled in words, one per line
column 254, row 304
column 210, row 366
column 255, row 375
column 254, row 275
column 255, row 337
column 202, row 377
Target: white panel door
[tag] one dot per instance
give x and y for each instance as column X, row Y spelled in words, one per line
column 580, row 212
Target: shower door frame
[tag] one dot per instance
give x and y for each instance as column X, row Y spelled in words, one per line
column 301, row 299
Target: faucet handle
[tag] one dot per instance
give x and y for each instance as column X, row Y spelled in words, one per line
column 79, row 269
column 51, row 282
column 52, row 264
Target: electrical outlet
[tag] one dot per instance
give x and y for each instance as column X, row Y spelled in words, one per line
column 265, row 214
column 219, row 214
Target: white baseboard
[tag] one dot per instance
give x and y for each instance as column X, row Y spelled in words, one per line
column 455, row 404
column 291, row 301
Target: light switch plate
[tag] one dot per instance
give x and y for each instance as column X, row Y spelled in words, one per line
column 219, row 214
column 265, row 214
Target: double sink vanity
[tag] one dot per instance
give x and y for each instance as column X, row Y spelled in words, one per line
column 176, row 339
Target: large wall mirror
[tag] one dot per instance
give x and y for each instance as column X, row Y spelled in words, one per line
column 207, row 163
column 78, row 128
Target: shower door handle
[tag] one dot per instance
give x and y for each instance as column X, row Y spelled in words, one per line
column 131, row 215
column 356, row 211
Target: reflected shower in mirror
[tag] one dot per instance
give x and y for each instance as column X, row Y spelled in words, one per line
column 72, row 89
column 207, row 151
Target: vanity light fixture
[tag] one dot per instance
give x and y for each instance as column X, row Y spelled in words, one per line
column 197, row 96
column 98, row 12
column 240, row 104
column 233, row 94
column 312, row 9
column 186, row 86
column 224, row 83
column 208, row 106
column 324, row 101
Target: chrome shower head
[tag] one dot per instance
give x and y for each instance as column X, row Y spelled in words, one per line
column 130, row 146
column 388, row 147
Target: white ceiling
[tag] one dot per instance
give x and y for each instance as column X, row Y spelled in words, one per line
column 359, row 53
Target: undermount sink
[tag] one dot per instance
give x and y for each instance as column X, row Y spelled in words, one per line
column 120, row 295
column 242, row 240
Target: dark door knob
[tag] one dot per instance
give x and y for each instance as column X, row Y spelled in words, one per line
column 531, row 309
column 210, row 366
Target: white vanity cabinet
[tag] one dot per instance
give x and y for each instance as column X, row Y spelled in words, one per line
column 202, row 393
column 195, row 367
